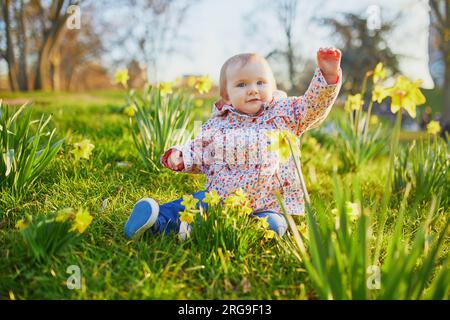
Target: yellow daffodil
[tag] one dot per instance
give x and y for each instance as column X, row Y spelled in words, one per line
column 354, row 102
column 379, row 93
column 245, row 210
column 406, row 95
column 433, row 127
column 379, row 72
column 241, row 195
column 82, row 149
column 263, row 224
column 303, row 229
column 130, row 110
column 186, row 216
column 238, row 200
column 178, row 81
column 269, row 234
column 82, row 220
column 232, row 202
column 198, row 103
column 310, row 143
column 352, row 209
column 189, row 202
column 203, row 85
column 281, row 143
column 212, row 198
column 21, row 224
column 374, row 120
column 165, row 88
column 64, row 214
column 191, row 81
column 122, row 77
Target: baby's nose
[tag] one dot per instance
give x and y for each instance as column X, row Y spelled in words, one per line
column 252, row 90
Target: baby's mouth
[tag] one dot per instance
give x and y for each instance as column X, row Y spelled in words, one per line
column 254, row 100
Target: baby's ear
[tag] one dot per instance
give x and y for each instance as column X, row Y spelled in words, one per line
column 219, row 104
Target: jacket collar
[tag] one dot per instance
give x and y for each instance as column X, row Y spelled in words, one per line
column 220, row 108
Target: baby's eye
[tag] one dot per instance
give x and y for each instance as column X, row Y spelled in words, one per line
column 260, row 83
column 241, row 85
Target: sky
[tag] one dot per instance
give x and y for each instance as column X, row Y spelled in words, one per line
column 218, row 29
column 214, row 30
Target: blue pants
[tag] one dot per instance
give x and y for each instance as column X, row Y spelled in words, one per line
column 169, row 216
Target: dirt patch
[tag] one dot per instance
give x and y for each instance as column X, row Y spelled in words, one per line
column 16, row 102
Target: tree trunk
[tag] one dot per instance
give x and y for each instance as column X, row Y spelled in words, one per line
column 22, row 77
column 55, row 69
column 446, row 96
column 51, row 39
column 291, row 65
column 10, row 59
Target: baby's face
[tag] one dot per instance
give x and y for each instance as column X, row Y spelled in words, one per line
column 249, row 86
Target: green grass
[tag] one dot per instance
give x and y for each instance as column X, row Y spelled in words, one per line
column 158, row 267
column 434, row 99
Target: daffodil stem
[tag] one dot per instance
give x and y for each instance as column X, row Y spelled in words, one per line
column 366, row 125
column 363, row 91
column 388, row 186
column 299, row 172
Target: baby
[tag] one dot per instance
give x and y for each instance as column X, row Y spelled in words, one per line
column 231, row 148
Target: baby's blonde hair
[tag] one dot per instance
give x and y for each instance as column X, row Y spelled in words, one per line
column 243, row 59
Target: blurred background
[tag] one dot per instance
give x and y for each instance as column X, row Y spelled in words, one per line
column 76, row 46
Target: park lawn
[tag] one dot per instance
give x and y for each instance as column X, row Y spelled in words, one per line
column 155, row 267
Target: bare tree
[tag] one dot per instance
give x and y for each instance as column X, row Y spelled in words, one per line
column 39, row 49
column 283, row 50
column 22, row 45
column 8, row 52
column 440, row 9
column 364, row 48
column 151, row 34
column 287, row 13
column 53, row 21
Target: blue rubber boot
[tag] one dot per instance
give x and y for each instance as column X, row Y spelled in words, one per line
column 143, row 216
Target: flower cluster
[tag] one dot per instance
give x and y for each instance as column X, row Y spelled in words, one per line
column 238, row 202
column 405, row 94
column 188, row 214
column 130, row 110
column 433, row 127
column 264, row 226
column 203, row 85
column 352, row 210
column 353, row 103
column 212, row 198
column 121, row 76
column 82, row 149
column 165, row 88
column 79, row 220
column 283, row 143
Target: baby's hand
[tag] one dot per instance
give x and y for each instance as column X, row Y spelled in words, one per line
column 175, row 161
column 329, row 62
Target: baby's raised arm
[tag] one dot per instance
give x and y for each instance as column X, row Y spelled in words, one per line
column 329, row 62
column 312, row 108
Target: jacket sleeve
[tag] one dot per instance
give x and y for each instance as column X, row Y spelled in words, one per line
column 311, row 109
column 197, row 154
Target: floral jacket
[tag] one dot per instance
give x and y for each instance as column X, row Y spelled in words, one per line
column 231, row 148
